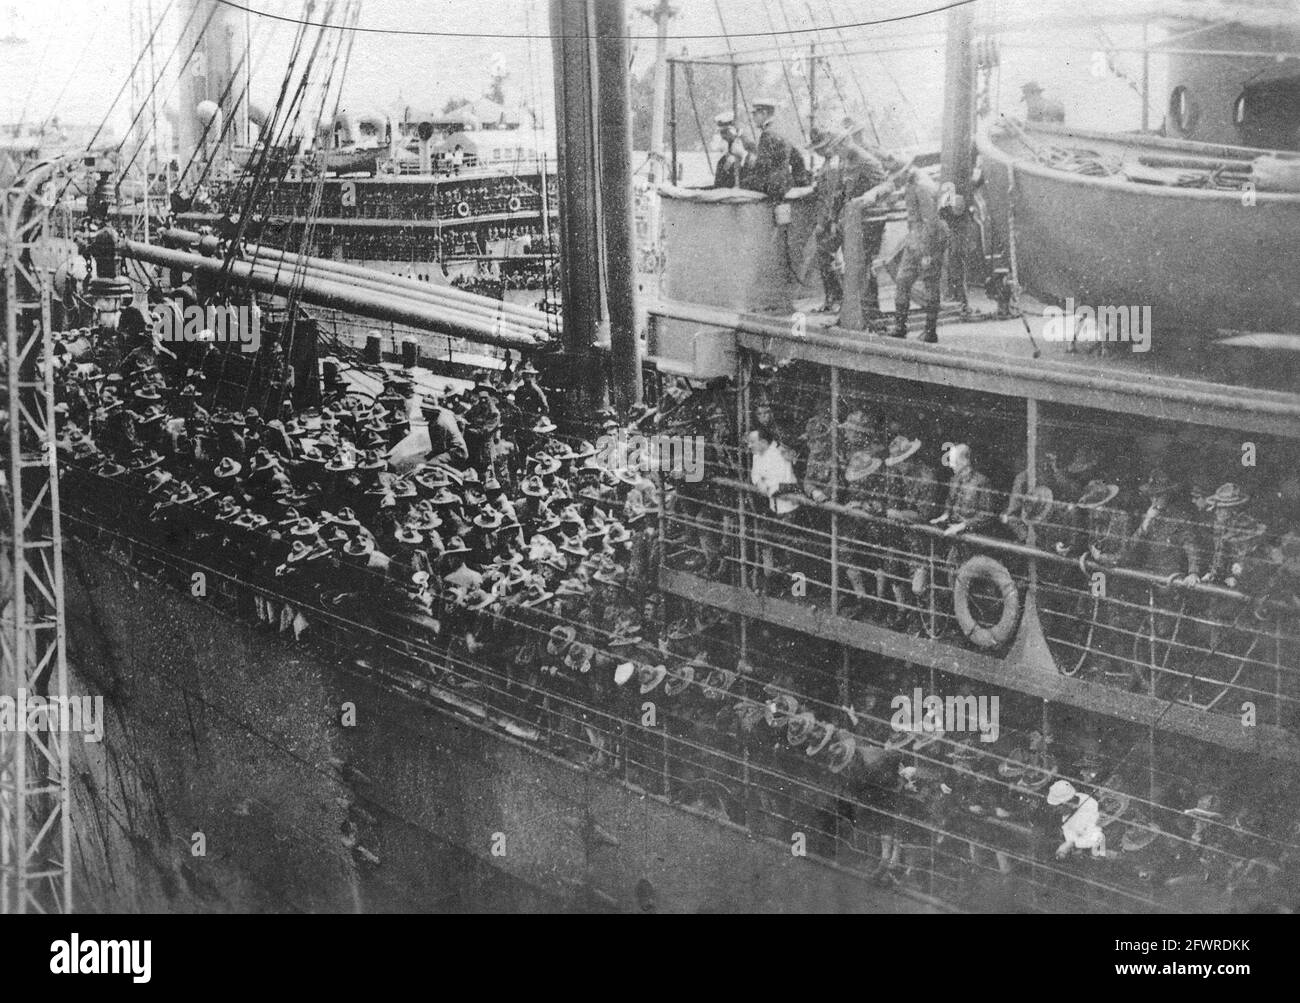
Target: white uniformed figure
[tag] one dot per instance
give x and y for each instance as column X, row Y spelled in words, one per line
column 1080, row 830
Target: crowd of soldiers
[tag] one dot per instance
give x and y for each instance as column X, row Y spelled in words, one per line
column 854, row 173
column 527, row 558
column 990, row 816
column 1201, row 580
column 864, row 180
column 964, row 819
column 448, row 201
column 432, row 518
column 771, row 164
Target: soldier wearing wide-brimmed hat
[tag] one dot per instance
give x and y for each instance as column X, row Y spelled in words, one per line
column 923, row 254
column 1101, row 526
column 1238, row 559
column 912, row 498
column 828, row 194
column 1039, row 108
column 446, row 442
column 455, row 560
column 1163, row 542
column 1236, row 534
column 822, row 469
column 865, row 489
column 854, row 172
column 529, row 397
column 1068, row 480
column 483, row 416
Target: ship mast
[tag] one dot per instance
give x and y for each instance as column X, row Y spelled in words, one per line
column 959, row 98
column 592, row 111
column 661, row 14
column 614, row 146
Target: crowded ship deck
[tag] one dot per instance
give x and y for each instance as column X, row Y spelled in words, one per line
column 996, row 610
column 771, row 706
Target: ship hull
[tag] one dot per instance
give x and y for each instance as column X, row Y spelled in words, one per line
column 225, row 728
column 1202, row 259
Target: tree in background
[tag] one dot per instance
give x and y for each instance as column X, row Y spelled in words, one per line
column 711, row 88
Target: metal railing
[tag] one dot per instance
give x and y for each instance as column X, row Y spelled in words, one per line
column 1204, row 644
column 731, row 750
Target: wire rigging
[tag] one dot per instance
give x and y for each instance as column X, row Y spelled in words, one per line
column 631, row 37
column 785, row 72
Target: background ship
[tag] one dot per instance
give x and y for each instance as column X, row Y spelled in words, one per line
column 401, row 199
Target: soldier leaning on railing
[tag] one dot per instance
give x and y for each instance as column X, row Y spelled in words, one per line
column 913, row 493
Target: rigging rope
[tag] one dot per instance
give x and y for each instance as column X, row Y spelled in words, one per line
column 853, row 73
column 785, row 73
column 699, row 125
column 744, row 101
column 591, row 34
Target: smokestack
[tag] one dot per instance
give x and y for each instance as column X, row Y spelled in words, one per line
column 218, row 32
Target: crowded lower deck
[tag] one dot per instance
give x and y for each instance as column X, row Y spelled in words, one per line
column 462, row 546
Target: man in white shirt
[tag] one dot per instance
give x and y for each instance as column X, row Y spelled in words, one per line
column 772, row 471
column 1081, row 830
column 773, row 474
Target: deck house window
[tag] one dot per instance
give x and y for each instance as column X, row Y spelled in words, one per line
column 1183, row 111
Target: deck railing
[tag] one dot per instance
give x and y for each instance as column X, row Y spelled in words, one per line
column 967, row 826
column 1206, row 645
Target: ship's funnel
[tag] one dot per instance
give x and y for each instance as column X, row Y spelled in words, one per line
column 211, row 32
column 209, row 114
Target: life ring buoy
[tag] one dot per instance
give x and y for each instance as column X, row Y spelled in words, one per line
column 462, row 209
column 514, row 204
column 982, row 566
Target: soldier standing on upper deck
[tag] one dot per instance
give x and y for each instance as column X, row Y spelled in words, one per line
column 866, row 173
column 777, row 166
column 853, row 172
column 1039, row 108
column 827, row 234
column 927, row 239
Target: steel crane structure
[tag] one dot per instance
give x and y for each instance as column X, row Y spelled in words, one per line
column 35, row 824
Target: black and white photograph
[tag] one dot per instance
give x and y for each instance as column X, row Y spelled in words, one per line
column 587, row 457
